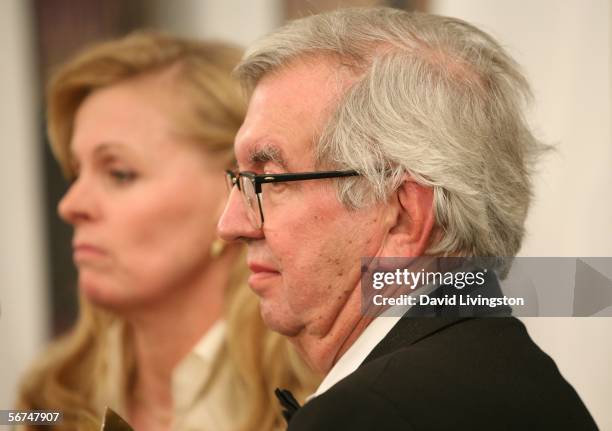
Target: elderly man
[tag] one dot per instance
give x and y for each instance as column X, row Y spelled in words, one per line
column 381, row 133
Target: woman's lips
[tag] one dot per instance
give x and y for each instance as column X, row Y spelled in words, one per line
column 83, row 253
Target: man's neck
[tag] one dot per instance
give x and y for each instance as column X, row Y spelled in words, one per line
column 321, row 352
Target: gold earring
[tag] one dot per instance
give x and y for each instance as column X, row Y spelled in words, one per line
column 216, row 248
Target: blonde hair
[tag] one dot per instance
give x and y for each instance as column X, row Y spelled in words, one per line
column 67, row 375
column 433, row 97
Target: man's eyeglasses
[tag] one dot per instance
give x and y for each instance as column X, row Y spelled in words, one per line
column 249, row 183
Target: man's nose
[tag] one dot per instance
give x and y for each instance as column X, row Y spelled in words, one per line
column 234, row 224
column 78, row 203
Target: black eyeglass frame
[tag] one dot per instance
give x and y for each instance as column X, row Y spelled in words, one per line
column 259, row 179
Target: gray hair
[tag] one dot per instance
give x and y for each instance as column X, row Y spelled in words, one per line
column 433, row 97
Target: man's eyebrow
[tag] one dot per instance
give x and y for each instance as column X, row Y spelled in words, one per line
column 268, row 153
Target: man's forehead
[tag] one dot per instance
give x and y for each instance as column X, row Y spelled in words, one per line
column 287, row 111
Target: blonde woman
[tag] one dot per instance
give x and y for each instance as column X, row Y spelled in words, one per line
column 167, row 334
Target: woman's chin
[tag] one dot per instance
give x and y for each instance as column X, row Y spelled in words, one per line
column 116, row 297
column 101, row 296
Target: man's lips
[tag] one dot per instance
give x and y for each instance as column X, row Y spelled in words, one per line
column 258, row 268
column 260, row 273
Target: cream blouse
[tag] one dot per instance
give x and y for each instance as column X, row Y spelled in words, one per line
column 196, row 408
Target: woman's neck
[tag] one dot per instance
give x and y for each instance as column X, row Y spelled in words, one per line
column 163, row 334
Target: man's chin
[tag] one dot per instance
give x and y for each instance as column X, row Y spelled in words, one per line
column 277, row 321
column 262, row 282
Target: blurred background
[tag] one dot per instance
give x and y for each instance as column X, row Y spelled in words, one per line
column 564, row 46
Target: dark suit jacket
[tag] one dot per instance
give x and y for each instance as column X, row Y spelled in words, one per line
column 450, row 373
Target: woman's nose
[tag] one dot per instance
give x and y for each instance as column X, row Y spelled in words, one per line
column 77, row 204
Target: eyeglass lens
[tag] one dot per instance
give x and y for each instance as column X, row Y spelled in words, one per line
column 250, row 198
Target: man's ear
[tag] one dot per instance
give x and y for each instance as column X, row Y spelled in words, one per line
column 415, row 221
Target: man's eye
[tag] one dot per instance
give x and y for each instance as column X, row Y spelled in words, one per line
column 278, row 186
column 122, row 176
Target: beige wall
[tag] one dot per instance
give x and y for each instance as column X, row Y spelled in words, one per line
column 565, row 48
column 23, row 301
column 238, row 21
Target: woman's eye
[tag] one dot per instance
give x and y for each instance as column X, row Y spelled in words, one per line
column 122, row 176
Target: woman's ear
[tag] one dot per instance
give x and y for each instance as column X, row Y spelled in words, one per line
column 414, row 226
